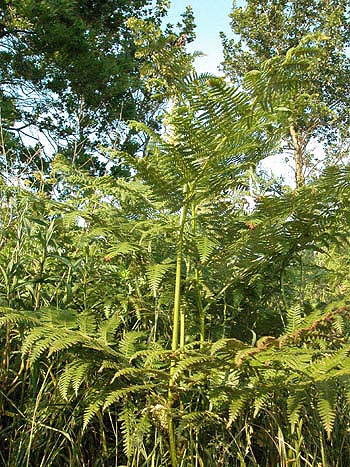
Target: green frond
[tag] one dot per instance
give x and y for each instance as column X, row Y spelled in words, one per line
column 227, row 346
column 295, row 402
column 236, row 407
column 326, row 367
column 326, row 394
column 224, row 378
column 187, row 363
column 294, row 318
column 87, row 323
column 58, row 318
column 59, row 342
column 72, row 218
column 122, row 248
column 339, row 324
column 37, row 342
column 73, row 376
column 134, row 428
column 130, row 343
column 92, row 409
column 153, row 357
column 198, row 420
column 205, row 247
column 115, row 396
column 129, row 372
column 10, row 316
column 156, row 272
column 260, row 403
column 48, row 339
column 107, row 329
column 104, row 349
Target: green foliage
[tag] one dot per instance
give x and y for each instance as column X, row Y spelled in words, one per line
column 270, row 33
column 97, row 276
column 72, row 74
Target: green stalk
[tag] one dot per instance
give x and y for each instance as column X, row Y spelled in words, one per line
column 177, row 296
column 176, row 328
column 172, row 440
column 197, row 282
column 182, row 327
column 200, row 309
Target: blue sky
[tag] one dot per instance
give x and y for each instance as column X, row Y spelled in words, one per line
column 211, row 17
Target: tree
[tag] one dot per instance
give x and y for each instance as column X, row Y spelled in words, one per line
column 268, row 29
column 69, row 72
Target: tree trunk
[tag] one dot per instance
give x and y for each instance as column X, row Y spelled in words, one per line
column 298, row 156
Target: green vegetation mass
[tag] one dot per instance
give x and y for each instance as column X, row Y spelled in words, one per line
column 164, row 301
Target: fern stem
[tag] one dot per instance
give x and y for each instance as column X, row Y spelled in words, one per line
column 176, row 327
column 182, row 327
column 323, row 453
column 177, row 295
column 201, row 310
column 172, row 440
column 197, row 283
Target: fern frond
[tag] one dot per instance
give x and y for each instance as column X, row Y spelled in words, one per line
column 187, row 363
column 326, row 367
column 56, row 317
column 126, row 373
column 9, row 316
column 326, row 405
column 128, row 421
column 294, row 319
column 130, row 343
column 236, row 407
column 227, row 346
column 295, row 402
column 72, row 376
column 197, row 420
column 156, row 272
column 107, row 329
column 92, row 409
column 205, row 247
column 47, row 339
column 260, row 402
column 122, row 248
column 152, row 358
column 118, row 394
column 59, row 342
column 87, row 323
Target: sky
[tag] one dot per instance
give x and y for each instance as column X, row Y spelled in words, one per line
column 211, row 17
